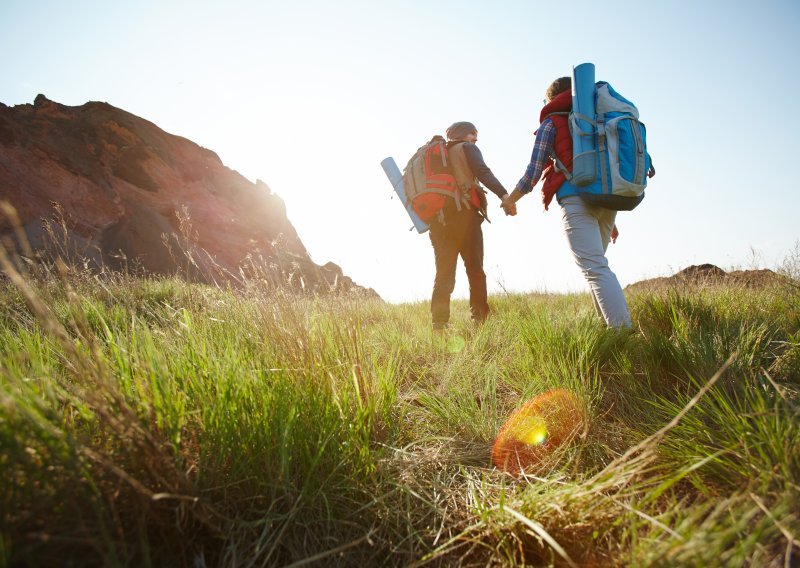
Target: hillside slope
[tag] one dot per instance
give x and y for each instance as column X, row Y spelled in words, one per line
column 122, row 184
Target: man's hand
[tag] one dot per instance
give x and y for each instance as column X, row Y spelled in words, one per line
column 510, row 209
column 614, row 234
column 509, row 206
column 652, row 171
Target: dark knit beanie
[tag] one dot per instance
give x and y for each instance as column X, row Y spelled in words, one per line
column 459, row 130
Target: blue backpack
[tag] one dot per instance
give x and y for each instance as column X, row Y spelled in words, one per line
column 610, row 159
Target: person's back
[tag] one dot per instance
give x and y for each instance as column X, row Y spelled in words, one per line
column 588, row 228
column 457, row 231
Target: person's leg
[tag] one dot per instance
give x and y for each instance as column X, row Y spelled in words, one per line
column 605, row 221
column 472, row 254
column 596, row 305
column 588, row 230
column 445, row 252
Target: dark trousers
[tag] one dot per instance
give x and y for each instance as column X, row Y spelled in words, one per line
column 460, row 234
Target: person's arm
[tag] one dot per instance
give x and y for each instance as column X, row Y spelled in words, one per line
column 482, row 171
column 542, row 150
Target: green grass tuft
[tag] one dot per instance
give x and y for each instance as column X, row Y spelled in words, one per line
column 152, row 422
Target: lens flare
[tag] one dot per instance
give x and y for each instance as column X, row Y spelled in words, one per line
column 537, row 428
column 532, row 430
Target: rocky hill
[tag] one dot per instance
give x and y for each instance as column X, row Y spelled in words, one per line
column 133, row 195
column 710, row 275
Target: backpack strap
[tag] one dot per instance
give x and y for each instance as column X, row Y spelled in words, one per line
column 439, row 191
column 601, row 151
column 559, row 165
column 460, row 199
column 463, row 185
column 575, row 126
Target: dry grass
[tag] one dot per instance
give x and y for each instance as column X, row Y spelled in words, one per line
column 151, row 422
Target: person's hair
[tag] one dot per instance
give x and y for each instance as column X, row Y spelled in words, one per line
column 558, row 86
column 460, row 130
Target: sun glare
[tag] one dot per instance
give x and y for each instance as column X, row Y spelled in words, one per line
column 536, row 429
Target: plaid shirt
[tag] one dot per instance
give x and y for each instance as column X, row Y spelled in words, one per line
column 542, row 152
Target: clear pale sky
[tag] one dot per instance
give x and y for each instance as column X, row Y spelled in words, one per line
column 310, row 96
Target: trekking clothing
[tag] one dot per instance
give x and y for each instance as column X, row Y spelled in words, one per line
column 461, row 235
column 587, row 227
column 554, row 180
column 458, row 233
column 479, row 168
column 588, row 230
column 553, row 145
column 540, row 157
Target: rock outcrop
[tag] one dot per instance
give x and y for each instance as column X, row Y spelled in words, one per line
column 710, row 275
column 131, row 194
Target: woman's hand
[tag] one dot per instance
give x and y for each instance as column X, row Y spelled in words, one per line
column 509, row 204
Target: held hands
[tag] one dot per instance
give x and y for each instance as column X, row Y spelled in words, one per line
column 510, row 209
column 509, row 206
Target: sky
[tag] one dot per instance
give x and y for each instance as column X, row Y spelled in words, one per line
column 310, row 96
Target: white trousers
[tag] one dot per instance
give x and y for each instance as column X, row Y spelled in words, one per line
column 588, row 230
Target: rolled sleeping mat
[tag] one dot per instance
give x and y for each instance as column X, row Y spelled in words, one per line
column 396, row 178
column 584, row 159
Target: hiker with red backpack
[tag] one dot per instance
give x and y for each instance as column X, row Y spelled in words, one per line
column 455, row 227
column 589, row 206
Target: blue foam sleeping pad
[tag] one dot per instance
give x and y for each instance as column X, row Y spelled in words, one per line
column 396, row 178
column 584, row 159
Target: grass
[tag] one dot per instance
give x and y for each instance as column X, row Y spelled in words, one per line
column 150, row 422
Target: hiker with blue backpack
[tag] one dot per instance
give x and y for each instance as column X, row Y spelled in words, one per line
column 595, row 162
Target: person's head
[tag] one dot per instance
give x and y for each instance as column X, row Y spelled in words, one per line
column 462, row 131
column 557, row 87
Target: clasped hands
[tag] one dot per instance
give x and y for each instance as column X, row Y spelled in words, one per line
column 509, row 206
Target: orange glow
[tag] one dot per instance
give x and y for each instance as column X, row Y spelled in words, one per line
column 537, row 428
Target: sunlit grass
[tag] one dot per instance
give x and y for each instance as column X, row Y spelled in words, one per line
column 151, row 422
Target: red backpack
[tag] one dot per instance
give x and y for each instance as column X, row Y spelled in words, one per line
column 429, row 179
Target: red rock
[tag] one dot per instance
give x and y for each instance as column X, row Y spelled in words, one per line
column 122, row 182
